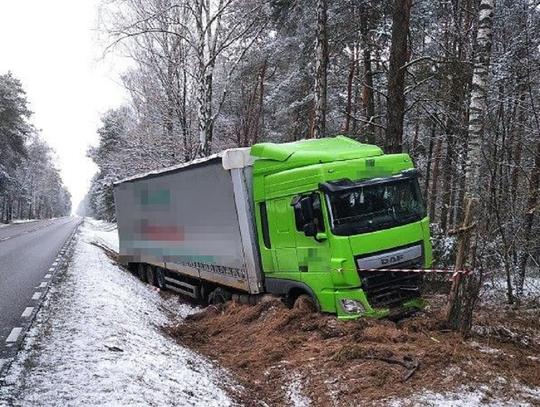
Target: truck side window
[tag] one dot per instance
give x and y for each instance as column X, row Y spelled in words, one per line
column 264, row 226
column 317, row 209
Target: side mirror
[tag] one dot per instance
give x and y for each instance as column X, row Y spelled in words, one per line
column 310, row 229
column 306, row 207
column 304, row 212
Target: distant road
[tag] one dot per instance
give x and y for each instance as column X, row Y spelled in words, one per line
column 27, row 253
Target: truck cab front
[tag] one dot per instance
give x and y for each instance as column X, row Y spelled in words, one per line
column 330, row 214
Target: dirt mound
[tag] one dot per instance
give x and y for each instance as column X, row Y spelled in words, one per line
column 274, row 350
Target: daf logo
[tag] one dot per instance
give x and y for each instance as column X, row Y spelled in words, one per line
column 391, row 259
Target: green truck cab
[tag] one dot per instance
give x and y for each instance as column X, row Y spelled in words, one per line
column 328, row 210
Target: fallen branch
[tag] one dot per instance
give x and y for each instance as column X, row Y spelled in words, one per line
column 111, row 254
column 408, row 363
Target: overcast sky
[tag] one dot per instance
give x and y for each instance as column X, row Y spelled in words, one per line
column 50, row 45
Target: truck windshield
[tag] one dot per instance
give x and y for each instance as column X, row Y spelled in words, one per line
column 374, row 207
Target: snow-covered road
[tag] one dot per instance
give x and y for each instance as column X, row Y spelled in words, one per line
column 97, row 342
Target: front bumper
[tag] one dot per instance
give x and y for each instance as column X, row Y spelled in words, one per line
column 359, row 295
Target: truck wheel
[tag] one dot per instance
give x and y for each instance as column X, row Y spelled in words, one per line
column 150, row 275
column 160, row 278
column 305, row 303
column 141, row 272
column 219, row 296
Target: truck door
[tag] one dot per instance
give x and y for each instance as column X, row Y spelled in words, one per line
column 313, row 256
column 282, row 235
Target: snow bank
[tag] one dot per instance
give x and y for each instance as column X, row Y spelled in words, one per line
column 17, row 221
column 97, row 342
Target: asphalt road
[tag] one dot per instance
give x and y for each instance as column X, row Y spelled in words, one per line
column 27, row 253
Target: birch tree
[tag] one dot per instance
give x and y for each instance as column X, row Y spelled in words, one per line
column 464, row 294
column 321, row 61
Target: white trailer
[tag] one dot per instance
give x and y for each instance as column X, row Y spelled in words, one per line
column 192, row 224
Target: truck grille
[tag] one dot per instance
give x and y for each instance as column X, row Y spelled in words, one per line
column 392, row 289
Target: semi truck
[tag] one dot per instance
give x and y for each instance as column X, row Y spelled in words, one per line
column 308, row 220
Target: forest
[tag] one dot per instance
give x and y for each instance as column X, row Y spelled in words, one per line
column 452, row 82
column 30, row 183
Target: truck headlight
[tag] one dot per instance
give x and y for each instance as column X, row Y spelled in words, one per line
column 352, row 306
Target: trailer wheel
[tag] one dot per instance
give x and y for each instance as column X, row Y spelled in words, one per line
column 305, row 303
column 219, row 296
column 150, row 275
column 141, row 272
column 160, row 278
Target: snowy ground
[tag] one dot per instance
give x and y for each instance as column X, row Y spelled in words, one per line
column 97, row 342
column 495, row 288
column 464, row 397
column 103, row 232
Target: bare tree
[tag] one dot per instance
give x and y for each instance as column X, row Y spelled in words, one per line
column 165, row 35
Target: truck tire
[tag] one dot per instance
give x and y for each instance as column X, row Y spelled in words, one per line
column 141, row 272
column 219, row 296
column 305, row 303
column 151, row 275
column 160, row 278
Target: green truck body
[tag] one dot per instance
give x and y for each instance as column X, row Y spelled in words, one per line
column 316, row 217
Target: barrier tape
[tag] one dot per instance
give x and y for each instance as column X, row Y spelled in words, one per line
column 454, row 272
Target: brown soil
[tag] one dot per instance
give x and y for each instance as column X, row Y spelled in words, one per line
column 350, row 363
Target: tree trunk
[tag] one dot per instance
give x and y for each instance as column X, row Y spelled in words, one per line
column 518, row 146
column 261, row 78
column 367, row 96
column 357, row 96
column 448, row 173
column 477, row 105
column 465, row 290
column 171, row 102
column 434, row 182
column 530, row 209
column 321, row 62
column 206, row 57
column 396, row 76
column 350, row 80
column 429, row 158
column 183, row 117
column 204, row 101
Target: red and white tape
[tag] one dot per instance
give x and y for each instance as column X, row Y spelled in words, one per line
column 454, row 272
